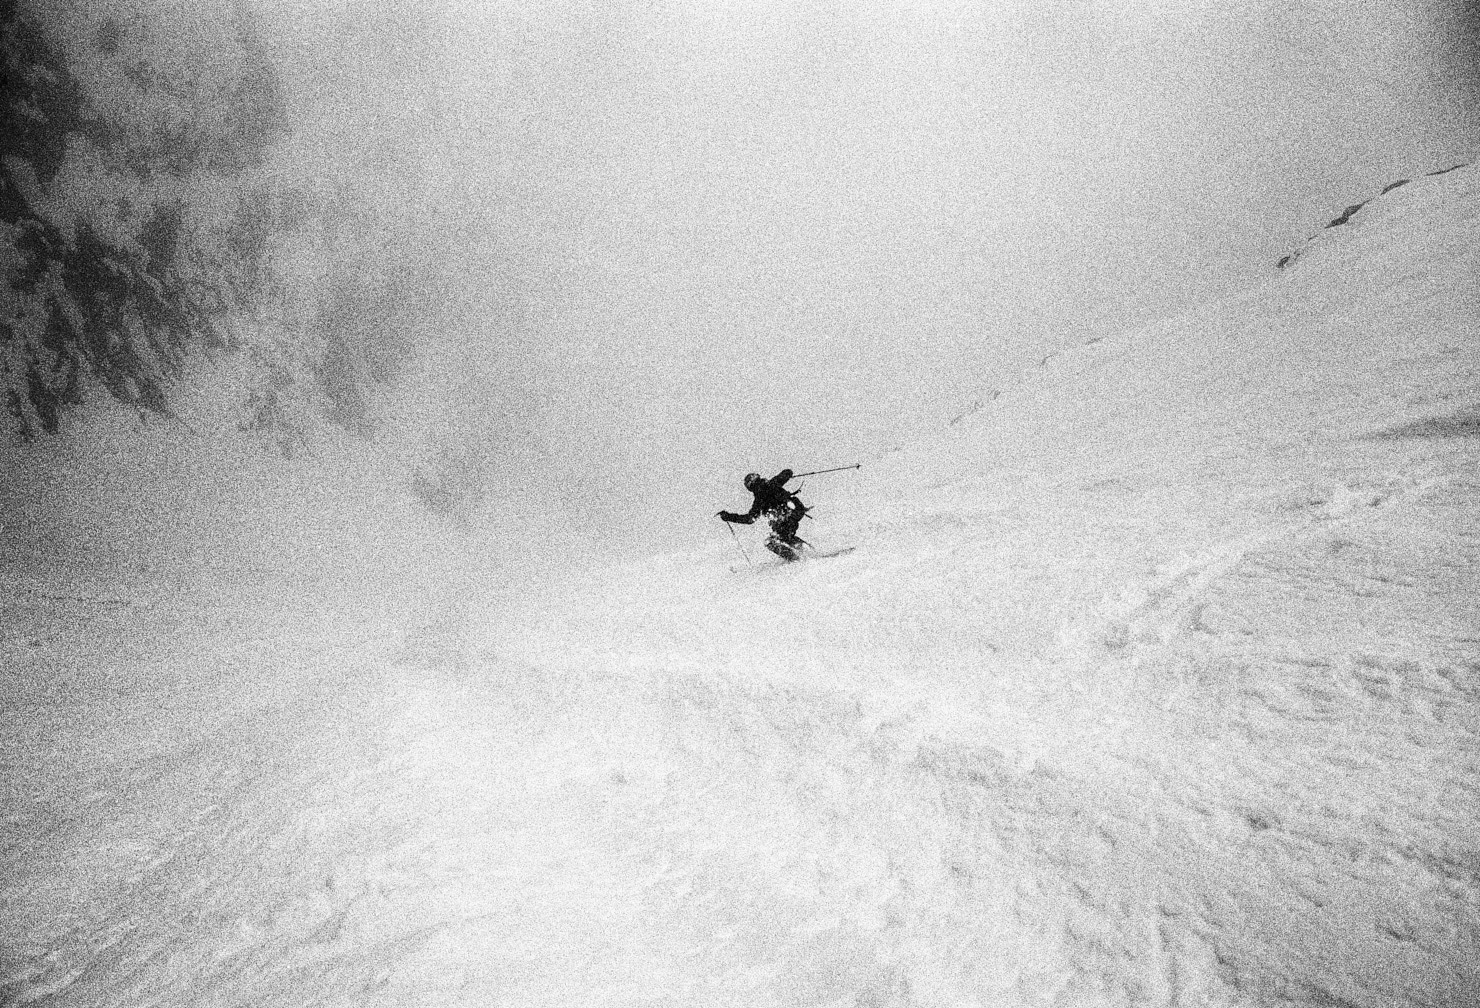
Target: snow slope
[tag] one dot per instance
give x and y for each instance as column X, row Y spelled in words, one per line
column 1152, row 681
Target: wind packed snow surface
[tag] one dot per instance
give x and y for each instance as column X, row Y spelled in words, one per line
column 1153, row 682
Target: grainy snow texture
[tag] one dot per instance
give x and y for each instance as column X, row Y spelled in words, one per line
column 1153, row 681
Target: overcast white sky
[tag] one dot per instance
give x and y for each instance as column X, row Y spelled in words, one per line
column 715, row 237
column 669, row 243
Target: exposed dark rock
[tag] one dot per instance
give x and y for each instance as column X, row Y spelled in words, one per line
column 1347, row 214
column 1351, row 211
column 119, row 287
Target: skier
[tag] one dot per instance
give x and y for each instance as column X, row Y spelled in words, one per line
column 780, row 507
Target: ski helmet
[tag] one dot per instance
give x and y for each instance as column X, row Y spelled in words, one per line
column 752, row 480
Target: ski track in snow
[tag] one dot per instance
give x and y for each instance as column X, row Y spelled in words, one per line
column 1152, row 683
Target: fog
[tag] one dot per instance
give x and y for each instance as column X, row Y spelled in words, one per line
column 1153, row 682
column 614, row 255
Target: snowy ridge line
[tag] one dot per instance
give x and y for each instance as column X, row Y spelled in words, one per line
column 983, row 401
column 1346, row 215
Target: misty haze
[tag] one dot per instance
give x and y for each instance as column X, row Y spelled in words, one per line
column 797, row 504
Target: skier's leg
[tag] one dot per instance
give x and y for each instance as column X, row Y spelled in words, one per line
column 784, row 527
column 785, row 550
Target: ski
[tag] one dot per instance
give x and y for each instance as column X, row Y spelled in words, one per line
column 813, row 555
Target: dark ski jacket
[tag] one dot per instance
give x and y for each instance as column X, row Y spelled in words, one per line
column 772, row 499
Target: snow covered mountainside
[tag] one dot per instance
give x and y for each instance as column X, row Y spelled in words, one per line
column 1154, row 681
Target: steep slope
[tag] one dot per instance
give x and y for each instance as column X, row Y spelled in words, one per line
column 1152, row 682
column 1181, row 630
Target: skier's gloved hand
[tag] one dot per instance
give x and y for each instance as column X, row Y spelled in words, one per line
column 725, row 516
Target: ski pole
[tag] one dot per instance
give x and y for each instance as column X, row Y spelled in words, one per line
column 737, row 543
column 819, row 472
